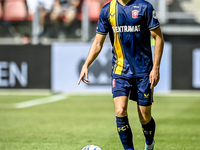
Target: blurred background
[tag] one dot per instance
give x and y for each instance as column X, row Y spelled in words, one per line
column 43, row 44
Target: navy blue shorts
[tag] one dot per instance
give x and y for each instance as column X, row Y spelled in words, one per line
column 136, row 89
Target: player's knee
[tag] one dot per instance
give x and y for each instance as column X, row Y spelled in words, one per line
column 121, row 112
column 145, row 119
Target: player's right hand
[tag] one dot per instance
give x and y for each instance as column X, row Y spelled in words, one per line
column 83, row 74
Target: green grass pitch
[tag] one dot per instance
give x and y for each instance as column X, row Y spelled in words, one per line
column 81, row 120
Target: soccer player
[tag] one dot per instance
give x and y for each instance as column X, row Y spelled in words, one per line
column 130, row 24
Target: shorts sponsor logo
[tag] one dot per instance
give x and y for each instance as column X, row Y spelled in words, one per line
column 146, row 95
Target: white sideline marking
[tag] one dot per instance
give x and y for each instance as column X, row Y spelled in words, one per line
column 40, row 101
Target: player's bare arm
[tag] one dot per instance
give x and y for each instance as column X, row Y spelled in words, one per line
column 158, row 50
column 92, row 55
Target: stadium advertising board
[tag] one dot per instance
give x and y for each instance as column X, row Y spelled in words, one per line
column 186, row 68
column 196, row 68
column 68, row 58
column 185, row 62
column 25, row 66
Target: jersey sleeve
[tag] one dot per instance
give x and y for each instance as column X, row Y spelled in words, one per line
column 102, row 27
column 152, row 20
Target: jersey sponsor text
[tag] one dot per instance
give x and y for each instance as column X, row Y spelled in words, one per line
column 135, row 28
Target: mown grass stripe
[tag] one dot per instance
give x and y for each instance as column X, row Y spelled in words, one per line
column 39, row 101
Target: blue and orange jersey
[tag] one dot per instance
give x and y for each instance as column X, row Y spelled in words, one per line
column 129, row 29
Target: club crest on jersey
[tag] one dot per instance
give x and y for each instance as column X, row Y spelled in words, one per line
column 135, row 14
column 113, row 83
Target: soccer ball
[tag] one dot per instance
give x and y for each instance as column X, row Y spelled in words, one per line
column 91, row 147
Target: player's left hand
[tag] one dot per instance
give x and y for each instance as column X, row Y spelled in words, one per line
column 154, row 77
